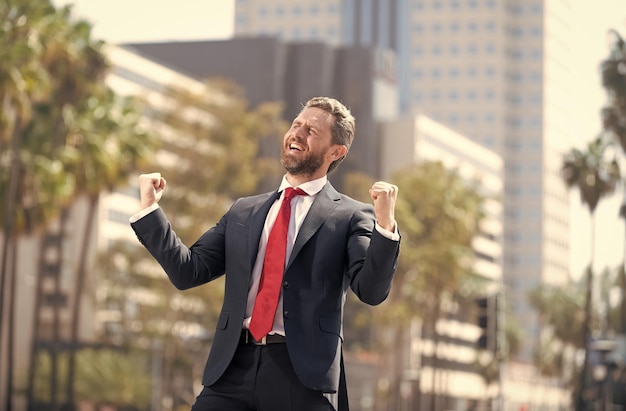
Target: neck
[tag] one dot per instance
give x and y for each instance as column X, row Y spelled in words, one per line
column 298, row 179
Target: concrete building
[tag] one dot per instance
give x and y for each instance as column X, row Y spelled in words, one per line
column 495, row 71
column 269, row 69
column 419, row 138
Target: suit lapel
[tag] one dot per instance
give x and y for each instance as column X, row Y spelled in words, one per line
column 322, row 207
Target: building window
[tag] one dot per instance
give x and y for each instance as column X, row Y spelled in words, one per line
column 491, row 4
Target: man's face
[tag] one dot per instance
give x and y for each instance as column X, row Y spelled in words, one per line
column 307, row 146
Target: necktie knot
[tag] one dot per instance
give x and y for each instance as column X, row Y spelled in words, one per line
column 291, row 192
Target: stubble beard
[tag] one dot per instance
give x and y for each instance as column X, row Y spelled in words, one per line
column 308, row 165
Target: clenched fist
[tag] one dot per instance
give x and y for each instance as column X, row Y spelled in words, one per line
column 384, row 196
column 151, row 188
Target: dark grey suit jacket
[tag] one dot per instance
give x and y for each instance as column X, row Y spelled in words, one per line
column 337, row 247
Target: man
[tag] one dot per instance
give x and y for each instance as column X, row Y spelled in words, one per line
column 278, row 339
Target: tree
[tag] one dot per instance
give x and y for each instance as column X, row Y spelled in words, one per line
column 214, row 140
column 613, row 71
column 562, row 310
column 439, row 213
column 24, row 82
column 147, row 315
column 595, row 177
column 71, row 137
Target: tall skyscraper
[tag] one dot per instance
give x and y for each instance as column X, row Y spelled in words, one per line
column 496, row 71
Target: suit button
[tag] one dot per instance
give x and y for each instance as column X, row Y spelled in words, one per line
column 286, row 314
column 286, row 285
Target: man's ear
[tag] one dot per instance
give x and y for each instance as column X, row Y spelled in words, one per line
column 338, row 151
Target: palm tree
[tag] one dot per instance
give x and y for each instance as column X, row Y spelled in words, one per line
column 595, row 177
column 439, row 213
column 23, row 83
column 614, row 81
column 103, row 149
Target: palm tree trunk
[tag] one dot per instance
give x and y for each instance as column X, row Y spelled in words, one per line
column 78, row 293
column 436, row 313
column 394, row 402
column 622, row 272
column 622, row 276
column 586, row 331
column 8, row 238
column 11, row 325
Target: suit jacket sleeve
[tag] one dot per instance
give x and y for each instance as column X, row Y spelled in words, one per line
column 372, row 259
column 185, row 267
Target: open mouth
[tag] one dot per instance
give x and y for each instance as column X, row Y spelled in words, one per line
column 295, row 147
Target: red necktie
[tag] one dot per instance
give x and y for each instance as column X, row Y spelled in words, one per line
column 273, row 267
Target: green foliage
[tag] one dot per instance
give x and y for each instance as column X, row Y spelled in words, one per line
column 214, row 140
column 591, row 172
column 439, row 215
column 562, row 308
column 71, row 134
column 104, row 377
column 614, row 81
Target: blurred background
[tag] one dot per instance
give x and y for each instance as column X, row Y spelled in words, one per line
column 503, row 122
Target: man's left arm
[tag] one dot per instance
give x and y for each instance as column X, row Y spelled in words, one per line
column 372, row 280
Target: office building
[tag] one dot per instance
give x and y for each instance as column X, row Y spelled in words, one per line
column 269, row 69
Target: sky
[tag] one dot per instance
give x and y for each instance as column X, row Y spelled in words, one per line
column 126, row 21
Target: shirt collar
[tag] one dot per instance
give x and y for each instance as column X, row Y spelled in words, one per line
column 311, row 187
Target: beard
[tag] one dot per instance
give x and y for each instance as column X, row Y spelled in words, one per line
column 307, row 165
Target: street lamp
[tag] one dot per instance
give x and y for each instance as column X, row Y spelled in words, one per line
column 602, row 369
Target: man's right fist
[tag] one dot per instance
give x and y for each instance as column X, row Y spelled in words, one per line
column 151, row 188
